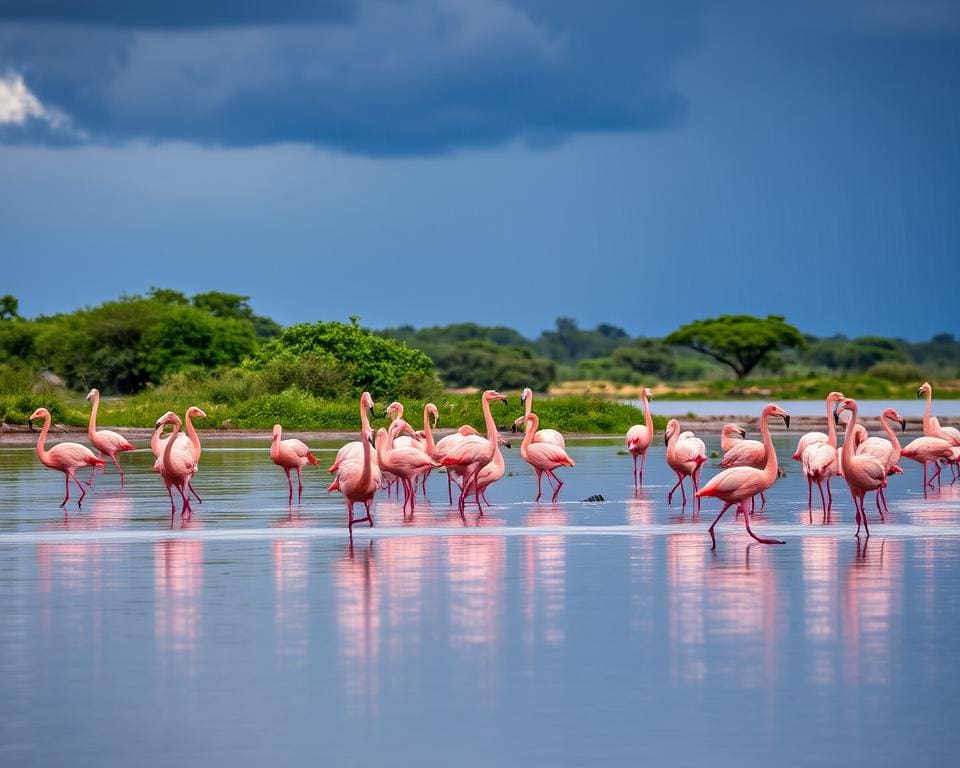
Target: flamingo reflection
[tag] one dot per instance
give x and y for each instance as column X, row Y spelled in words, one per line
column 291, row 565
column 820, row 606
column 641, row 511
column 475, row 565
column 871, row 607
column 178, row 584
column 358, row 593
column 686, row 568
column 544, row 567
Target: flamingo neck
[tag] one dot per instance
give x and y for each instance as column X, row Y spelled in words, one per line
column 647, row 416
column 155, row 441
column 275, row 445
column 364, row 419
column 192, row 434
column 367, row 472
column 926, row 412
column 891, row 436
column 41, row 449
column 770, row 455
column 492, row 433
column 428, row 432
column 532, row 425
column 92, row 426
column 831, row 426
column 848, row 447
column 168, row 449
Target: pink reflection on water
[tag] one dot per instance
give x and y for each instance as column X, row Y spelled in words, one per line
column 641, row 511
column 544, row 569
column 871, row 607
column 358, row 594
column 820, row 606
column 178, row 586
column 686, row 634
column 475, row 571
column 291, row 568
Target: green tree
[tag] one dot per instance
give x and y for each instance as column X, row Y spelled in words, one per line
column 648, row 357
column 8, row 307
column 741, row 342
column 486, row 365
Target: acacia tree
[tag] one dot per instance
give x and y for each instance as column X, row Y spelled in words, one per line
column 739, row 341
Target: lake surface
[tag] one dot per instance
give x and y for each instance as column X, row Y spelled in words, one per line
column 909, row 409
column 541, row 634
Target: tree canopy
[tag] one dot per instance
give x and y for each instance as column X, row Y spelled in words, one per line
column 741, row 342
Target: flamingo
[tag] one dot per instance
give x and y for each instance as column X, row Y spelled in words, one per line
column 354, row 449
column 740, row 452
column 108, row 443
column 472, row 453
column 492, row 471
column 358, row 479
column 444, row 445
column 810, row 438
column 639, row 436
column 886, row 451
column 290, row 454
column 543, row 457
column 429, row 446
column 406, row 463
column 862, row 472
column 928, row 450
column 189, row 441
column 686, row 455
column 730, row 435
column 737, row 484
column 544, row 435
column 177, row 465
column 64, row 457
column 952, row 436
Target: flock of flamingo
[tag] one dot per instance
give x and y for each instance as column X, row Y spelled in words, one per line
column 404, row 457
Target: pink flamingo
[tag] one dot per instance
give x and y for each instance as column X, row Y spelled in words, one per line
column 354, row 449
column 405, row 462
column 740, row 452
column 927, row 450
column 886, row 451
column 358, row 479
column 443, row 447
column 738, row 484
column 639, row 436
column 177, row 465
column 189, row 441
column 686, row 455
column 730, row 435
column 863, row 473
column 108, row 443
column 430, row 411
column 820, row 462
column 544, row 435
column 492, row 471
column 64, row 457
column 952, row 436
column 810, row 438
column 543, row 457
column 472, row 453
column 290, row 454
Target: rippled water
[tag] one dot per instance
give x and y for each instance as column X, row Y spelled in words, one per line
column 551, row 634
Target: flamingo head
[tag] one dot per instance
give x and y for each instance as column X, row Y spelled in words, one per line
column 366, row 400
column 775, row 410
column 924, row 389
column 93, row 393
column 399, row 426
column 847, row 404
column 733, row 430
column 492, row 394
column 673, row 427
column 892, row 413
column 395, row 410
column 40, row 413
column 647, row 393
column 504, row 442
column 277, row 429
column 434, row 412
column 169, row 418
column 194, row 412
column 525, row 394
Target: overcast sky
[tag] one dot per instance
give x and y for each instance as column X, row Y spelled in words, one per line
column 501, row 161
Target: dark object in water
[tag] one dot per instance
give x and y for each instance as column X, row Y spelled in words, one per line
column 595, row 497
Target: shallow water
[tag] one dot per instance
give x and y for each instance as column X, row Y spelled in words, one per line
column 551, row 634
column 909, row 409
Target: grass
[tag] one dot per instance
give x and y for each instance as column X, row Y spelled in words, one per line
column 297, row 410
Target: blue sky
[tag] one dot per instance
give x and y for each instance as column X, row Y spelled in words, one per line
column 502, row 161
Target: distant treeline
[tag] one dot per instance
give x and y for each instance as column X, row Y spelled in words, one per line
column 166, row 338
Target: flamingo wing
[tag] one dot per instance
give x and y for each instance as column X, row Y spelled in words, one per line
column 735, row 484
column 745, row 453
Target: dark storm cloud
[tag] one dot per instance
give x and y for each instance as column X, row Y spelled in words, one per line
column 175, row 14
column 390, row 77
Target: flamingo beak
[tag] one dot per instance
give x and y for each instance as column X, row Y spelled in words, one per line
column 786, row 419
column 743, row 432
column 836, row 413
column 903, row 425
column 920, row 392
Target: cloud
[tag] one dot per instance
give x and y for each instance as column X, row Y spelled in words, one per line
column 18, row 106
column 176, row 14
column 389, row 77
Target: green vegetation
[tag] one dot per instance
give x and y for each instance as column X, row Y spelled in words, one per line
column 166, row 350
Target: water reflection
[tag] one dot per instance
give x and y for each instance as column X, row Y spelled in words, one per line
column 685, row 607
column 475, row 573
column 544, row 577
column 871, row 605
column 820, row 607
column 291, row 604
column 178, row 584
column 358, row 595
column 641, row 511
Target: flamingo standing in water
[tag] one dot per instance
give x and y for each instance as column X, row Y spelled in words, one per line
column 405, row 462
column 290, row 454
column 740, row 452
column 358, row 479
column 686, row 455
column 64, row 457
column 190, row 441
column 886, row 451
column 492, row 472
column 737, row 484
column 543, row 457
column 472, row 453
column 107, row 442
column 639, row 437
column 862, row 472
column 930, row 450
column 822, row 460
column 177, row 465
column 544, row 435
column 444, row 445
column 354, row 449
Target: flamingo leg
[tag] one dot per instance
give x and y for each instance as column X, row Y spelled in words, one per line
column 713, row 539
column 83, row 491
column 539, row 490
column 559, row 484
column 66, row 478
column 195, row 494
column 673, row 490
column 809, row 492
column 879, row 508
column 299, row 485
column 289, row 485
column 829, row 496
column 634, row 470
column 763, row 500
column 119, row 469
column 683, row 492
column 936, row 475
column 643, row 460
column 449, row 486
column 823, row 500
column 746, row 522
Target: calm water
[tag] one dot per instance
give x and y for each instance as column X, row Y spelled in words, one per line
column 909, row 409
column 567, row 634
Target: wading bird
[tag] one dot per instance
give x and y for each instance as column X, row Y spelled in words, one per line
column 471, row 454
column 543, row 457
column 686, row 455
column 177, row 465
column 544, row 435
column 639, row 437
column 821, row 458
column 290, row 454
column 358, row 478
column 886, row 451
column 863, row 473
column 64, row 457
column 107, row 442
